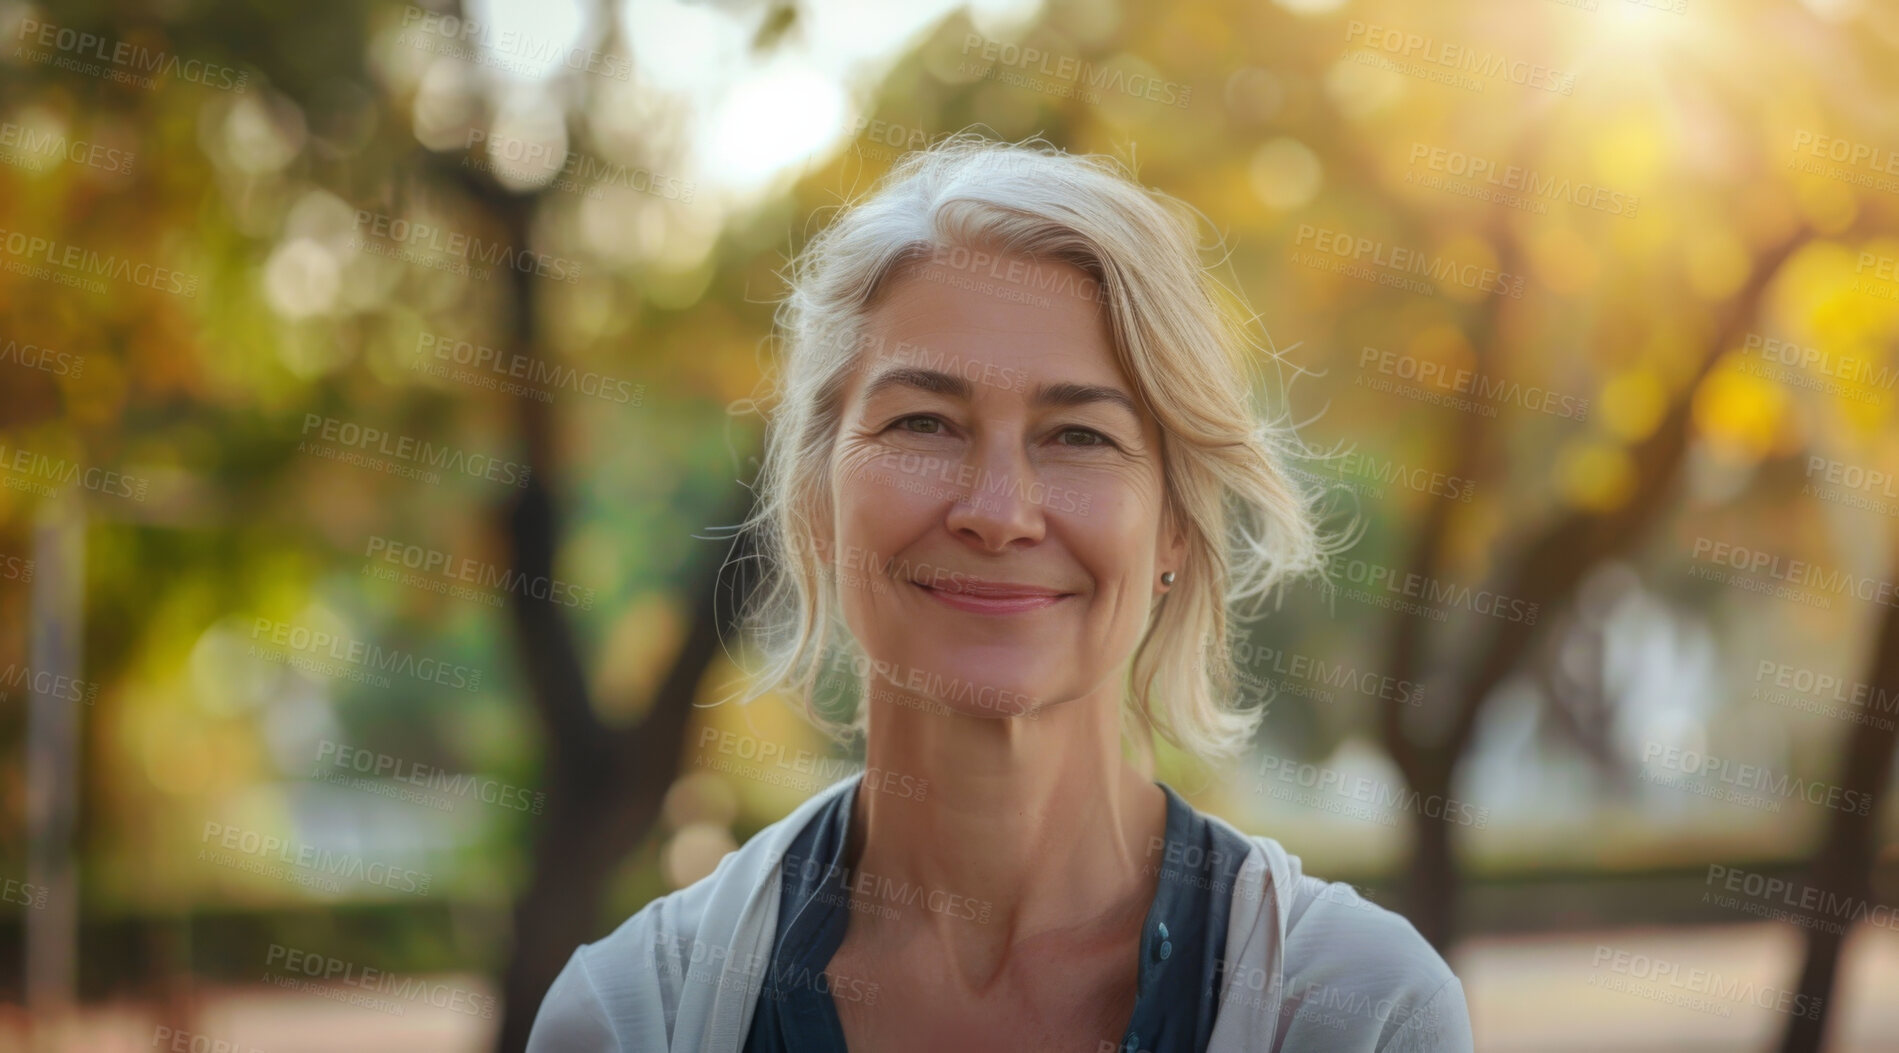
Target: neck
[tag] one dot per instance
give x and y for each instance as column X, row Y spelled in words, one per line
column 1030, row 827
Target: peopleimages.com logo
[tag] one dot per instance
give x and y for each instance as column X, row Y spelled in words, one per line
column 511, row 49
column 36, row 145
column 440, row 570
column 1078, row 72
column 435, row 779
column 1459, row 58
column 80, row 266
column 456, row 245
column 1509, row 184
column 1664, row 980
column 44, row 359
column 1398, row 260
column 119, row 60
column 308, row 859
column 517, row 373
column 399, row 987
column 1758, row 779
column 404, row 455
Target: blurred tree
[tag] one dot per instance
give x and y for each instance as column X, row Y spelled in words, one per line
column 605, row 785
column 1842, row 865
column 1547, row 571
column 1284, row 129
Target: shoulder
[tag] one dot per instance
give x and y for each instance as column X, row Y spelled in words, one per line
column 1348, row 975
column 627, row 989
column 1354, row 966
column 623, row 990
column 1334, row 931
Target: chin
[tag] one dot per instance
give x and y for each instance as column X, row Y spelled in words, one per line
column 982, row 684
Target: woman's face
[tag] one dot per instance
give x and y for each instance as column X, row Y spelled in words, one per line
column 998, row 536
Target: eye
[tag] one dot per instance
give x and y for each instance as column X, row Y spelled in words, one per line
column 1095, row 437
column 926, row 418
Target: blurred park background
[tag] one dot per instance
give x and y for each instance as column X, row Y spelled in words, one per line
column 375, row 383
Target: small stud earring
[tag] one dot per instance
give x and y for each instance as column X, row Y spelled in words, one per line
column 1167, row 577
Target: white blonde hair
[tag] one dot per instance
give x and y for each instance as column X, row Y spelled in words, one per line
column 1226, row 483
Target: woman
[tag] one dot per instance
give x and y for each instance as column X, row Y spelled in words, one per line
column 1015, row 456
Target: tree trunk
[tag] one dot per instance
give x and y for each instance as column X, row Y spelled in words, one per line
column 1433, row 887
column 1547, row 571
column 54, row 755
column 604, row 785
column 1842, row 866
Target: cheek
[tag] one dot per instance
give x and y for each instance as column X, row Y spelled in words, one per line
column 1119, row 515
column 1114, row 539
column 876, row 515
column 1109, row 488
column 896, row 484
column 877, row 486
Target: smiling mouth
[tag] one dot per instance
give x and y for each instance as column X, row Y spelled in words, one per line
column 994, row 598
column 995, row 589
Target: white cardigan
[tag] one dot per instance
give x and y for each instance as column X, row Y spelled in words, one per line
column 1309, row 965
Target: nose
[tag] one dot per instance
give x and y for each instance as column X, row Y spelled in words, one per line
column 998, row 510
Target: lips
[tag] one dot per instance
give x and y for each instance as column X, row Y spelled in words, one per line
column 996, row 590
column 993, row 597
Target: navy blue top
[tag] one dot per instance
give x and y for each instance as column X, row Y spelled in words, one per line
column 1182, row 942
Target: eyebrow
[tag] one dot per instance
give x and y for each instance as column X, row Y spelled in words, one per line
column 949, row 384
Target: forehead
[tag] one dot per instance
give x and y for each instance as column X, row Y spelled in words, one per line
column 1040, row 317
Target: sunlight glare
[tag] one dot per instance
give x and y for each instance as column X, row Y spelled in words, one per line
column 772, row 120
